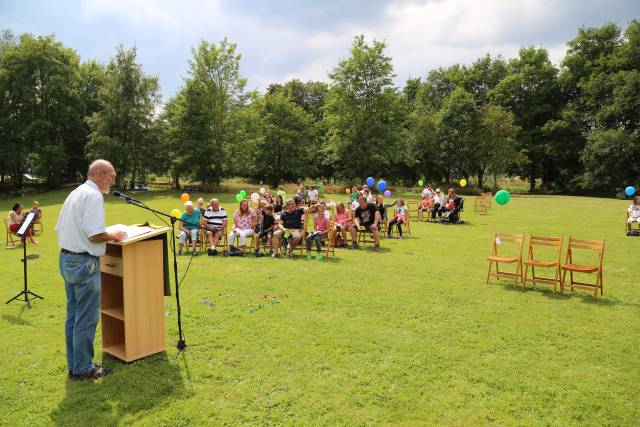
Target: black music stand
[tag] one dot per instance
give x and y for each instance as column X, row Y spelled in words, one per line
column 25, row 295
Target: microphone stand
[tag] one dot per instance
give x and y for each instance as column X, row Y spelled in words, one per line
column 181, row 344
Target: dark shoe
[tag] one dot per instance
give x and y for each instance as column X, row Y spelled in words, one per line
column 354, row 245
column 376, row 248
column 258, row 254
column 195, row 253
column 93, row 374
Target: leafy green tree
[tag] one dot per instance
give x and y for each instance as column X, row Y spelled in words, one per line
column 40, row 116
column 213, row 93
column 121, row 130
column 531, row 92
column 283, row 148
column 364, row 113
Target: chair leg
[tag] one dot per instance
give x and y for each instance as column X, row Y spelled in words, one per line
column 526, row 272
column 489, row 271
column 562, row 281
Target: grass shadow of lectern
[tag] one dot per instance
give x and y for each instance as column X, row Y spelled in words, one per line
column 131, row 391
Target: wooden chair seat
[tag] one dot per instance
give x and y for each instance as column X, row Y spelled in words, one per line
column 516, row 241
column 580, row 268
column 508, row 260
column 538, row 263
column 575, row 245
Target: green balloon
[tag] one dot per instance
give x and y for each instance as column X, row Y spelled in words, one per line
column 502, row 197
column 239, row 197
column 243, row 192
column 421, row 183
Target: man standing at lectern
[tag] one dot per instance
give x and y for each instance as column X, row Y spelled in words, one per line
column 81, row 237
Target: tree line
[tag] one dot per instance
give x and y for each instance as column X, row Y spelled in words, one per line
column 573, row 128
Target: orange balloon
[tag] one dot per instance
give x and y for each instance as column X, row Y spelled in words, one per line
column 184, row 197
column 347, row 190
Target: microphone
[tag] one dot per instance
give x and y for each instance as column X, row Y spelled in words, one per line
column 125, row 197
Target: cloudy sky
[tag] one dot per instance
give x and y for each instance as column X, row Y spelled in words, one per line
column 281, row 40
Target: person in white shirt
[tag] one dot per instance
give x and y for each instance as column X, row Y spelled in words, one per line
column 634, row 213
column 82, row 236
column 438, row 201
column 313, row 195
column 427, row 192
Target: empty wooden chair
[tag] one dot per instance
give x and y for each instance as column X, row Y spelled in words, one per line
column 532, row 261
column 515, row 242
column 596, row 247
column 487, row 199
column 480, row 205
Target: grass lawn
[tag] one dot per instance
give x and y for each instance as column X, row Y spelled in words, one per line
column 408, row 336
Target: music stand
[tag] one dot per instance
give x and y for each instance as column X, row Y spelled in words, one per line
column 25, row 295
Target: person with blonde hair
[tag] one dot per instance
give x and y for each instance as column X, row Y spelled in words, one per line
column 189, row 227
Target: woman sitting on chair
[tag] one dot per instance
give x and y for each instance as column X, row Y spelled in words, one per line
column 16, row 217
column 244, row 224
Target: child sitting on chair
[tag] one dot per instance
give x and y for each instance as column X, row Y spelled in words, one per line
column 634, row 213
column 399, row 217
column 321, row 229
column 425, row 206
column 265, row 229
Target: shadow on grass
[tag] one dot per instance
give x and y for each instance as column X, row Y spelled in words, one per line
column 17, row 320
column 585, row 297
column 132, row 390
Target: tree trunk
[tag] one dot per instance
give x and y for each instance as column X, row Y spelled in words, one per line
column 495, row 181
column 480, row 178
column 532, row 184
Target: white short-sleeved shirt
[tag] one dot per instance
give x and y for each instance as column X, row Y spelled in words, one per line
column 313, row 195
column 82, row 216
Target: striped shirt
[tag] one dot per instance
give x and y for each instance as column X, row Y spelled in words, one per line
column 82, row 216
column 215, row 219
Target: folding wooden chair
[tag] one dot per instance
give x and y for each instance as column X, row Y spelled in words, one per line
column 502, row 239
column 11, row 237
column 480, row 205
column 413, row 206
column 38, row 227
column 328, row 247
column 554, row 242
column 596, row 246
column 627, row 228
column 487, row 199
column 365, row 236
column 406, row 228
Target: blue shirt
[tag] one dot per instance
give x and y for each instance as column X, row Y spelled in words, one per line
column 193, row 219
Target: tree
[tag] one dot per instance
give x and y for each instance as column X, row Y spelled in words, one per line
column 363, row 113
column 531, row 92
column 39, row 107
column 212, row 94
column 495, row 149
column 121, row 129
column 282, row 151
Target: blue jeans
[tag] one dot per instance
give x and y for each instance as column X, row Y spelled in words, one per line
column 81, row 274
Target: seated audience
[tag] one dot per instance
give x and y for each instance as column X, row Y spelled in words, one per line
column 290, row 226
column 366, row 217
column 265, row 229
column 382, row 208
column 399, row 218
column 634, row 213
column 244, row 223
column 215, row 220
column 16, row 216
column 425, row 206
column 320, row 231
column 279, row 205
column 190, row 221
column 438, row 202
column 314, row 196
column 342, row 224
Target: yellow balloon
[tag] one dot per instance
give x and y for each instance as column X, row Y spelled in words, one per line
column 347, row 190
column 463, row 182
column 176, row 213
column 184, row 197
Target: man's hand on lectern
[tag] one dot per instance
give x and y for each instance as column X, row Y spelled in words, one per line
column 119, row 235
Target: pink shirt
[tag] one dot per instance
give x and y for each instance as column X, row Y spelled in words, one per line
column 321, row 223
column 342, row 218
column 243, row 222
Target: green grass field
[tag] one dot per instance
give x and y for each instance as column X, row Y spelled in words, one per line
column 408, row 336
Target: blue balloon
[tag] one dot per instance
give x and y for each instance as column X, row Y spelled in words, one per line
column 629, row 191
column 382, row 185
column 370, row 181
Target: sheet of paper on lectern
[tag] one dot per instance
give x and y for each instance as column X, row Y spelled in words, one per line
column 132, row 231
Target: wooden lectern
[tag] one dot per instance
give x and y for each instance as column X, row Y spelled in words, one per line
column 133, row 276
